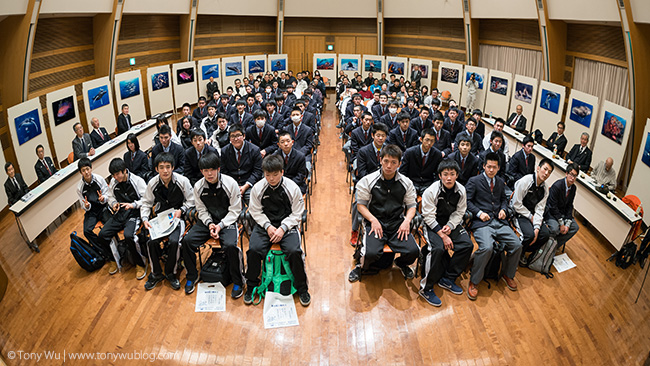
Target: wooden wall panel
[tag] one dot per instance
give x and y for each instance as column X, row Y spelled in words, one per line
column 601, row 41
column 151, row 39
column 331, row 26
column 222, row 36
column 367, row 45
column 520, row 33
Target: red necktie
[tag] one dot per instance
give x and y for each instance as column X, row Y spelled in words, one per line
column 286, row 161
column 261, row 138
column 366, row 133
column 378, row 155
column 404, row 137
column 567, row 193
column 241, row 119
column 526, row 161
column 462, row 164
column 101, row 134
column 514, row 121
column 492, row 185
column 238, row 157
column 295, row 131
column 47, row 167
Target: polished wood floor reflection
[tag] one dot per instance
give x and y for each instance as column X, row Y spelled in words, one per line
column 584, row 316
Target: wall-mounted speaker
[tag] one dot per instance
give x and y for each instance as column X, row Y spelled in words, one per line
column 540, row 4
column 466, row 5
column 379, row 5
column 281, row 5
column 621, row 4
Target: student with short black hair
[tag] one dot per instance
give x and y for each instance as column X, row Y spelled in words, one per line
column 276, row 205
column 410, row 108
column 220, row 137
column 368, row 157
column 15, row 186
column 523, row 161
column 242, row 161
column 295, row 164
column 92, row 191
column 559, row 206
column 362, row 135
column 496, row 140
column 470, row 133
column 420, row 162
column 167, row 190
column 209, row 122
column 468, row 163
column 225, row 106
column 390, row 119
column 125, row 199
column 218, row 205
column 194, row 153
column 262, row 134
column 303, row 135
column 557, row 140
column 380, row 109
column 443, row 207
column 403, row 135
column 240, row 116
column 200, row 112
column 167, row 145
column 421, row 122
column 498, row 127
column 453, row 123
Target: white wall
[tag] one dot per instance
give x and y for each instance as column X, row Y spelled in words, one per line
column 328, row 9
column 423, row 8
column 504, row 9
column 584, row 10
column 13, row 7
column 247, row 7
column 62, row 134
column 640, row 10
column 26, row 153
column 156, row 6
column 641, row 175
column 77, row 6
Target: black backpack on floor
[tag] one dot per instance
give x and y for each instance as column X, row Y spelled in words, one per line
column 493, row 267
column 216, row 268
column 88, row 257
column 625, row 256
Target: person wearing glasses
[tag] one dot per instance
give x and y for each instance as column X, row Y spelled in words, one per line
column 242, row 161
column 559, row 206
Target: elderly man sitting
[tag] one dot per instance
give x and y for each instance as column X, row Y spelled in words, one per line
column 604, row 174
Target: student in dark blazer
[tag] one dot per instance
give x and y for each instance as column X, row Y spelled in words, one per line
column 468, row 162
column 99, row 135
column 262, row 134
column 241, row 116
column 353, row 122
column 517, row 120
column 295, row 164
column 201, row 111
column 443, row 137
column 136, row 160
column 557, row 139
column 368, row 156
column 241, row 161
column 166, row 145
column 523, row 161
column 303, row 136
column 403, row 135
column 44, row 166
column 580, row 153
column 453, row 124
column 421, row 122
column 362, row 135
column 15, row 186
column 198, row 149
column 124, row 120
column 275, row 118
column 496, row 139
column 410, row 108
column 224, row 106
column 82, row 145
column 471, row 134
column 559, row 206
column 380, row 109
column 356, row 101
column 480, row 126
column 390, row 118
column 420, row 163
column 308, row 118
column 453, row 104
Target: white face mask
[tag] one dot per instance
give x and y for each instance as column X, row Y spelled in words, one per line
column 260, row 123
column 295, row 118
column 364, row 88
column 268, row 90
column 392, row 110
column 383, row 102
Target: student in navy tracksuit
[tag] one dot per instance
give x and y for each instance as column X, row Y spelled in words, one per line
column 443, row 206
column 403, row 135
column 167, row 190
column 276, row 205
column 242, row 161
column 559, row 206
column 420, row 162
column 218, row 205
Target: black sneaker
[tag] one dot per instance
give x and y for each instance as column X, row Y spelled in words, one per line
column 248, row 296
column 407, row 272
column 305, row 299
column 237, row 291
column 152, row 281
column 190, row 286
column 174, row 282
column 355, row 274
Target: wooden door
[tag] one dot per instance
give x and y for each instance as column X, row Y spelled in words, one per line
column 313, row 44
column 294, row 47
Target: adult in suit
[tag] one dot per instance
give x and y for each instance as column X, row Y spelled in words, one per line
column 44, row 166
column 557, row 139
column 15, row 186
column 422, row 122
column 420, row 163
column 517, row 120
column 201, row 110
column 198, row 149
column 262, row 134
column 303, row 136
column 167, row 145
column 211, row 88
column 559, row 206
column 124, row 120
column 241, row 161
column 471, row 134
column 453, row 124
column 469, row 164
column 136, row 160
column 240, row 116
column 523, row 161
column 380, row 109
column 580, row 153
column 362, row 135
column 368, row 156
column 295, row 164
column 487, row 202
column 403, row 135
column 82, row 145
column 99, row 135
column 416, row 76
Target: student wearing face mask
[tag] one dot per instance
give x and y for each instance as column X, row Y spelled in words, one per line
column 380, row 109
column 390, row 118
column 262, row 134
column 365, row 93
column 302, row 135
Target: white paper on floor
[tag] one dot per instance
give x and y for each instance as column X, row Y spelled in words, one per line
column 210, row 297
column 562, row 262
column 279, row 311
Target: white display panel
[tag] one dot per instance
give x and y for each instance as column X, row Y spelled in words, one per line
column 325, row 63
column 581, row 116
column 98, row 102
column 373, row 63
column 610, row 138
column 161, row 99
column 206, row 69
column 548, row 111
column 233, row 68
column 425, row 68
column 63, row 113
column 28, row 131
column 498, row 90
column 397, row 66
column 449, row 79
column 129, row 90
column 255, row 64
column 349, row 64
column 638, row 185
column 278, row 63
column 524, row 93
column 482, row 79
column 185, row 90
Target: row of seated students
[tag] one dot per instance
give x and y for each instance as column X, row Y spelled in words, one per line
column 261, row 168
column 393, row 169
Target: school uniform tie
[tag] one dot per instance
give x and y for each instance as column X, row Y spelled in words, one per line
column 404, row 137
column 378, row 153
column 526, row 160
column 132, row 157
column 366, row 134
column 286, row 161
column 238, row 157
column 424, row 160
column 295, row 131
column 241, row 119
column 260, row 134
column 462, row 163
column 492, row 185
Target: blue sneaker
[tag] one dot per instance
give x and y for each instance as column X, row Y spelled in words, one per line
column 430, row 297
column 450, row 286
column 190, row 286
column 236, row 292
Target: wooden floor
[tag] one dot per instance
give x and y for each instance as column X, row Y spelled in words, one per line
column 583, row 316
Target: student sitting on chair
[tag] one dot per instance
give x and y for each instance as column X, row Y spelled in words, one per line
column 421, row 122
column 92, row 191
column 443, row 206
column 15, row 186
column 380, row 109
column 382, row 197
column 218, row 205
column 169, row 146
column 403, row 135
column 275, row 118
column 162, row 120
column 443, row 137
column 262, row 134
column 505, row 147
column 356, row 101
column 496, row 140
column 303, row 136
column 390, row 118
column 167, row 190
column 522, row 162
column 220, row 137
column 295, row 164
column 200, row 112
column 209, row 123
column 368, row 156
column 487, row 201
column 194, row 153
column 529, row 202
column 480, row 126
column 136, row 160
column 241, row 161
column 410, row 108
column 453, row 123
column 125, row 199
column 44, row 166
column 240, row 116
column 471, row 134
column 559, row 206
column 276, row 205
column 468, row 163
column 420, row 162
column 185, row 134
